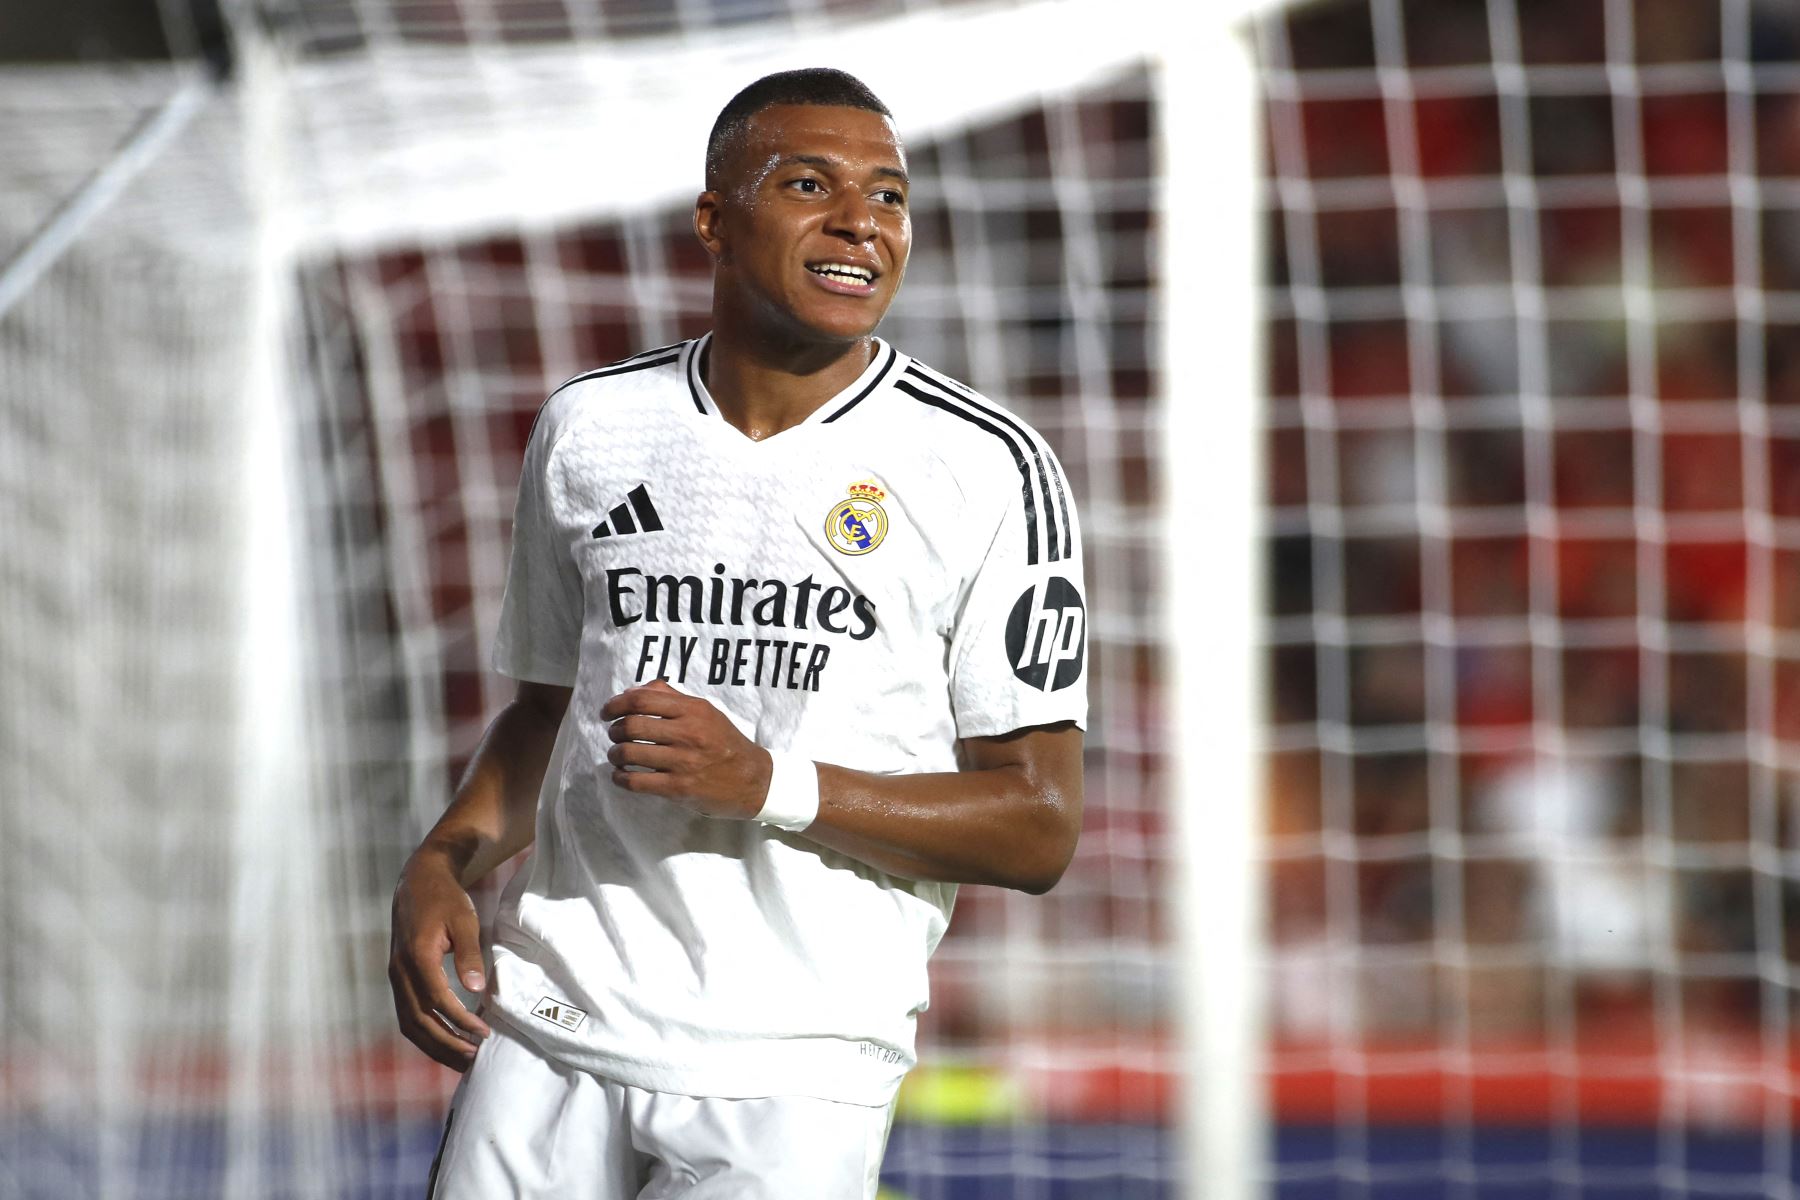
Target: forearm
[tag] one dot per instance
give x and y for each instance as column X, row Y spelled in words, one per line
column 494, row 813
column 1010, row 817
column 492, row 818
column 1011, row 826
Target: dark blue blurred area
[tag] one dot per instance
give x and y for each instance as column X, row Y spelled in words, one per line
column 1048, row 1162
column 1525, row 1163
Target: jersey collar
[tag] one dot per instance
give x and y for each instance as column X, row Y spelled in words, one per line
column 885, row 364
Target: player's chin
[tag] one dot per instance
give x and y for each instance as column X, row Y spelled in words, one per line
column 845, row 318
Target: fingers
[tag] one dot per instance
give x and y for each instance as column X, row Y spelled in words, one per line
column 431, row 1015
column 465, row 950
column 651, row 757
column 638, row 728
column 656, row 698
column 682, row 748
column 424, row 1028
column 648, row 783
column 447, row 1006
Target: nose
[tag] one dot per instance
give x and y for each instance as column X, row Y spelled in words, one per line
column 852, row 218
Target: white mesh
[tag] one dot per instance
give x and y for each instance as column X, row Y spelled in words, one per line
column 1534, row 590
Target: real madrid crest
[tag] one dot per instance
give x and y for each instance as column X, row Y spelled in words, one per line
column 857, row 523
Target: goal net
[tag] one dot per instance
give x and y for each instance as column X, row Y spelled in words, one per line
column 268, row 389
column 1535, row 594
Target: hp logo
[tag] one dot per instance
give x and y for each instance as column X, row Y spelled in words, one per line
column 1046, row 635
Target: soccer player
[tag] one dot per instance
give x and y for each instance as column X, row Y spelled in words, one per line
column 798, row 630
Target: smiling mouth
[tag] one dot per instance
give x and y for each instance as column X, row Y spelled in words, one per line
column 860, row 277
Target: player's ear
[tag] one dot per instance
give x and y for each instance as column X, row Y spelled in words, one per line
column 709, row 223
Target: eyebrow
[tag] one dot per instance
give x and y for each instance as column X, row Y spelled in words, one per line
column 819, row 160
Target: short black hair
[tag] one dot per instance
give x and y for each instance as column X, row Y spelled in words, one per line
column 809, row 85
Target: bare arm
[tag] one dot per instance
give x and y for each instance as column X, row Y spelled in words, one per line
column 492, row 818
column 1009, row 818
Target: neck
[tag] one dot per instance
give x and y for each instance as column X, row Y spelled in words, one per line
column 764, row 385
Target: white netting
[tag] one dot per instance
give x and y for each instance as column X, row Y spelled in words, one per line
column 263, row 426
column 142, row 656
column 1536, row 581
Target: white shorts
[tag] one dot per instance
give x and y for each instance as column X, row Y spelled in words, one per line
column 525, row 1126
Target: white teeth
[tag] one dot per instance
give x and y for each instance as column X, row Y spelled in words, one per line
column 847, row 273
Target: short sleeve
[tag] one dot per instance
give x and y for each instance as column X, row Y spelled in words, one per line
column 1018, row 652
column 539, row 639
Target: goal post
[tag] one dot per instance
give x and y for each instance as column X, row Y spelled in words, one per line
column 1212, row 536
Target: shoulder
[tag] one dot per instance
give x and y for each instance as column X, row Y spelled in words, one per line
column 997, row 456
column 648, row 375
column 975, row 432
column 644, row 366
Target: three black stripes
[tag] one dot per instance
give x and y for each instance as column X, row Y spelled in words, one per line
column 629, row 517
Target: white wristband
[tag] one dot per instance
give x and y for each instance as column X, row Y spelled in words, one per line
column 793, row 800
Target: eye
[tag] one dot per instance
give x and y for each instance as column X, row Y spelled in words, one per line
column 890, row 196
column 806, row 184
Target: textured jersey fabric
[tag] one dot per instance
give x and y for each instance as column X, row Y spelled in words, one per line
column 900, row 570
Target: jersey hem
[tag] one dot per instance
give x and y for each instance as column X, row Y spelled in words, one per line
column 688, row 1080
column 1003, row 728
column 535, row 673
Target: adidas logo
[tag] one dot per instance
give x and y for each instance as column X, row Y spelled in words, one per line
column 635, row 515
column 558, row 1012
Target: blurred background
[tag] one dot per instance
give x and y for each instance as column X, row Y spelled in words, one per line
column 284, row 283
column 1535, row 587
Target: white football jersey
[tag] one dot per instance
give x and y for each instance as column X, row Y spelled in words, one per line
column 898, row 571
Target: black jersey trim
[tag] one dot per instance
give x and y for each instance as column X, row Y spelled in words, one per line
column 648, row 353
column 625, row 366
column 693, row 372
column 955, row 410
column 640, row 362
column 1057, row 547
column 1040, row 447
column 880, row 376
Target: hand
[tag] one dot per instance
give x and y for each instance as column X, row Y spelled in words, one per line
column 433, row 916
column 687, row 751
